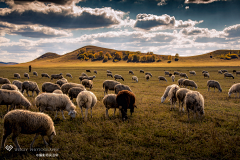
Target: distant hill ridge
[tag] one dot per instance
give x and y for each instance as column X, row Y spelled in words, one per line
column 48, row 55
column 8, row 63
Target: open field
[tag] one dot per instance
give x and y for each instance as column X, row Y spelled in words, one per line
column 153, row 132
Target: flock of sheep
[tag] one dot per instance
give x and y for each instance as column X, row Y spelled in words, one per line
column 57, row 97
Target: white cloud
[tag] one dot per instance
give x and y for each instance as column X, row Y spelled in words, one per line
column 232, row 31
column 4, row 40
column 162, row 3
column 187, row 7
column 200, row 1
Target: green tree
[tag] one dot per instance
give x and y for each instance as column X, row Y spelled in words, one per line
column 130, row 57
column 136, row 58
column 118, row 55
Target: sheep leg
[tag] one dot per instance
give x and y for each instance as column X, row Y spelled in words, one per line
column 107, row 113
column 27, row 93
column 32, row 93
column 82, row 113
column 5, row 135
column 56, row 114
column 114, row 112
column 91, row 112
column 14, row 139
column 208, row 89
column 31, row 146
column 86, row 113
column 182, row 107
column 63, row 115
column 44, row 140
column 7, row 108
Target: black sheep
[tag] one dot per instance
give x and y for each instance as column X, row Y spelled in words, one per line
column 126, row 100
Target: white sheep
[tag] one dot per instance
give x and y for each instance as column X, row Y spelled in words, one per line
column 55, row 102
column 17, row 75
column 82, row 78
column 219, row 71
column 141, row 71
column 86, row 99
column 91, row 77
column 214, row 84
column 173, row 78
column 194, row 101
column 35, row 73
column 84, row 74
column 109, row 85
column 109, row 101
column 224, row 70
column 165, row 94
column 69, row 75
column 162, row 78
column 9, row 87
column 183, row 75
column 189, row 83
column 117, row 76
column 176, row 73
column 65, row 87
column 130, row 72
column 95, row 71
column 13, row 98
column 45, row 75
column 108, row 71
column 57, row 91
column 206, row 74
column 148, row 73
column 135, row 78
column 18, row 84
column 181, row 94
column 30, row 86
column 26, row 75
column 147, row 77
column 109, row 75
column 74, row 91
column 166, row 73
column 27, row 122
column 56, row 76
column 237, row 72
column 192, row 73
column 4, row 81
column 235, row 88
column 120, row 87
column 61, row 81
column 172, row 95
column 180, row 81
column 87, row 83
column 49, row 87
column 226, row 74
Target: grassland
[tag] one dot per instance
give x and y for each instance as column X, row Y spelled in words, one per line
column 153, row 132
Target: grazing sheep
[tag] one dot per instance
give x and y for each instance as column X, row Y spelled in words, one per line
column 117, row 76
column 109, row 85
column 74, row 91
column 165, row 94
column 69, row 75
column 170, row 74
column 17, row 75
column 206, row 75
column 204, row 72
column 173, row 78
column 181, row 94
column 9, row 87
column 49, row 87
column 109, row 101
column 61, row 81
column 135, row 78
column 131, row 72
column 13, row 98
column 172, row 95
column 30, row 86
column 235, row 88
column 82, row 77
column 125, row 100
column 180, row 81
column 57, row 91
column 86, row 99
column 35, row 73
column 148, row 73
column 26, row 75
column 55, row 102
column 166, row 73
column 237, row 72
column 87, row 83
column 27, row 122
column 162, row 78
column 234, row 71
column 226, row 74
column 109, row 75
column 176, row 73
column 190, row 83
column 84, row 74
column 18, row 84
column 194, row 101
column 108, row 71
column 192, row 73
column 91, row 77
column 147, row 77
column 65, row 87
column 56, row 76
column 141, row 71
column 224, row 70
column 87, row 70
column 214, row 84
column 4, row 81
column 220, row 72
column 95, row 71
column 183, row 75
column 45, row 75
column 120, row 87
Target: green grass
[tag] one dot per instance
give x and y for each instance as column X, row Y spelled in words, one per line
column 153, row 132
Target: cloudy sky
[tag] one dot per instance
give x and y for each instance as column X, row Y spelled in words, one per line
column 30, row 28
